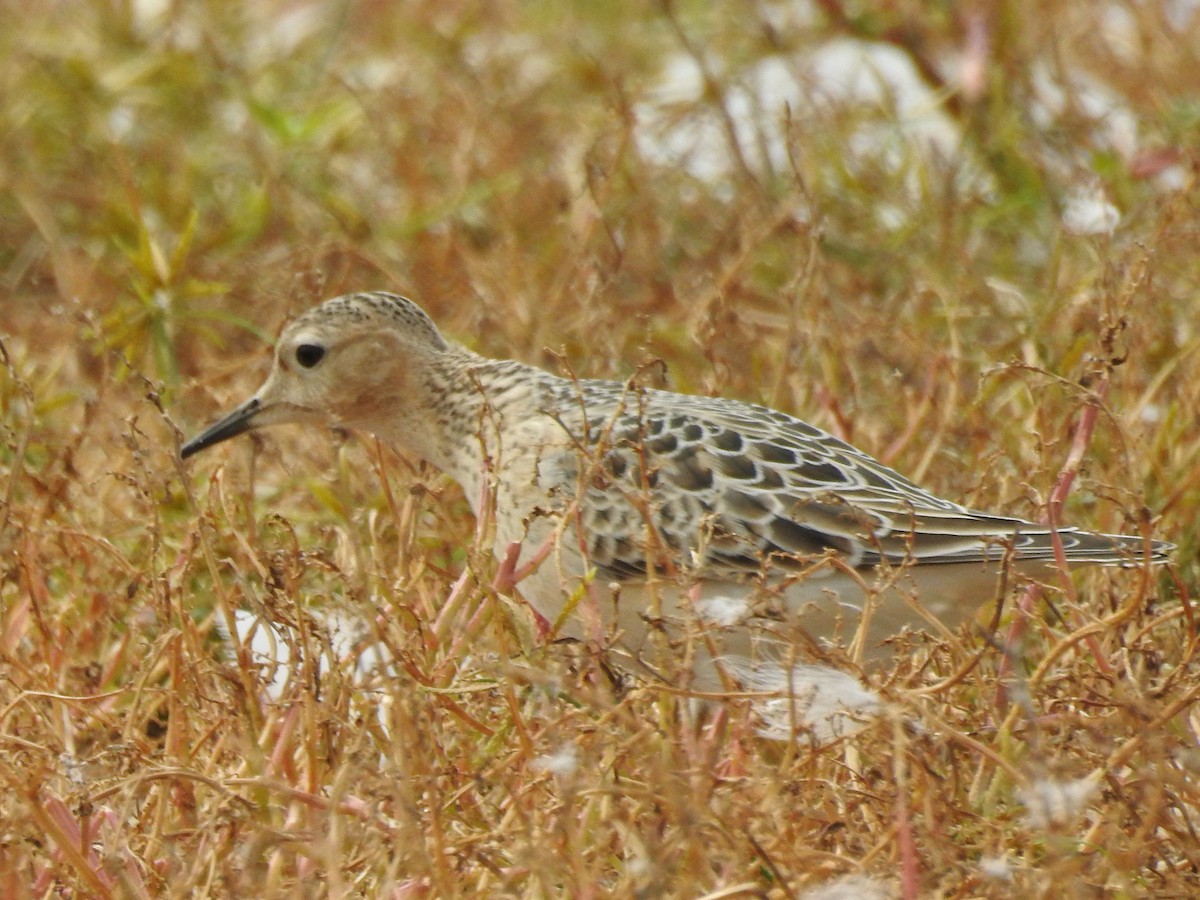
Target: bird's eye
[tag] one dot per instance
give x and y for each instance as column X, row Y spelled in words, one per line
column 308, row 355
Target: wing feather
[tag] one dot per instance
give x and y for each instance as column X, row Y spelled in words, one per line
column 724, row 488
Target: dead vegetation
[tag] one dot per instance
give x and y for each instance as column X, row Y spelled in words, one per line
column 944, row 270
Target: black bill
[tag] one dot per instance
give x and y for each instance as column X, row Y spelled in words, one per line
column 237, row 422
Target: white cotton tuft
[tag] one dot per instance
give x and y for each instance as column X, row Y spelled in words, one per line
column 851, row 887
column 1051, row 804
column 1088, row 212
column 996, row 868
column 723, row 611
column 562, row 763
column 269, row 644
column 814, row 701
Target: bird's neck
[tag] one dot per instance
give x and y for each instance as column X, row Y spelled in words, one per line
column 471, row 401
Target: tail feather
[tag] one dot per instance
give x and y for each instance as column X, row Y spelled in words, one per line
column 1086, row 547
column 1034, row 543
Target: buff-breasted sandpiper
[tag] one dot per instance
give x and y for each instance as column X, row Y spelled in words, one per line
column 719, row 522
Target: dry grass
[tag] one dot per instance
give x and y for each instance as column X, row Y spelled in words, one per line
column 175, row 183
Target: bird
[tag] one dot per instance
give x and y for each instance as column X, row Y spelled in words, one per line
column 728, row 533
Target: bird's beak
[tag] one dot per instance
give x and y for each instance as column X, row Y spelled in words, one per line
column 237, row 422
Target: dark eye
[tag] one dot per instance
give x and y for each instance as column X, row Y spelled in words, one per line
column 308, row 355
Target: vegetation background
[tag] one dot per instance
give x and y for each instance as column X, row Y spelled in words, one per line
column 943, row 231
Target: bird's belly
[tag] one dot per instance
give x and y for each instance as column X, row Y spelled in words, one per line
column 664, row 625
column 802, row 620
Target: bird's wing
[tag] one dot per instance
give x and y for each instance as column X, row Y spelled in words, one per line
column 724, row 489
